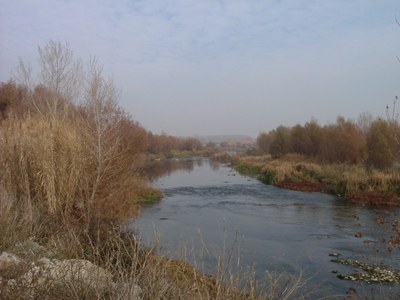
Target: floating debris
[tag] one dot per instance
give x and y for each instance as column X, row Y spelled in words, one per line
column 358, row 235
column 334, row 254
column 369, row 273
column 367, row 242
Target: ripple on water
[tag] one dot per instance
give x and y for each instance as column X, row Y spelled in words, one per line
column 282, row 230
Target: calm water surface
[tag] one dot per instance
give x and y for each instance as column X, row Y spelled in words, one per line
column 208, row 207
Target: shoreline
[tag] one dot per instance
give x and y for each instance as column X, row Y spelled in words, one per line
column 348, row 182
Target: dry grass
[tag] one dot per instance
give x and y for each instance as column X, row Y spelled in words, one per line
column 348, row 179
column 42, row 163
column 343, row 179
column 278, row 171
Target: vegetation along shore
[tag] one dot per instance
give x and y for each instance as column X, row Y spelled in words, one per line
column 355, row 183
column 356, row 160
column 72, row 173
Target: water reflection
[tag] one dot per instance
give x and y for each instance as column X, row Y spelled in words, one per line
column 156, row 169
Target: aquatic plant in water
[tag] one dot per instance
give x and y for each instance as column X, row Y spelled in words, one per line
column 368, row 273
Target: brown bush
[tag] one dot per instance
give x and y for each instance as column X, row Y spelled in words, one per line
column 12, row 96
column 70, row 163
column 343, row 142
column 381, row 145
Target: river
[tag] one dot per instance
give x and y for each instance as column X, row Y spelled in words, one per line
column 209, row 207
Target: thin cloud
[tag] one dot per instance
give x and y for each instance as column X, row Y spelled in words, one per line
column 256, row 63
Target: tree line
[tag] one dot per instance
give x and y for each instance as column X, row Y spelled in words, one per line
column 18, row 100
column 368, row 141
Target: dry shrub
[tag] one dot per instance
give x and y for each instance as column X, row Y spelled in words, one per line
column 42, row 164
column 350, row 179
column 386, row 181
column 13, row 227
column 50, row 168
column 278, row 171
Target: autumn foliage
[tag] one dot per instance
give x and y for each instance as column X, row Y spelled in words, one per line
column 68, row 152
column 342, row 142
column 381, row 146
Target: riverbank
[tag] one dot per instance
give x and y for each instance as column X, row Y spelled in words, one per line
column 69, row 257
column 211, row 202
column 353, row 182
column 114, row 266
column 101, row 260
column 136, row 274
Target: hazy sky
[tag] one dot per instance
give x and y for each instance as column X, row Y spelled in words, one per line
column 201, row 67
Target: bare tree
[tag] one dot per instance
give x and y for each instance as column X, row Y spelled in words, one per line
column 59, row 74
column 23, row 74
column 103, row 124
column 100, row 105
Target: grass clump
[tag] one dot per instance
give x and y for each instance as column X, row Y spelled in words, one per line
column 247, row 169
column 354, row 182
column 150, row 195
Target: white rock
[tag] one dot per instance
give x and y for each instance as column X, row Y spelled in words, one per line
column 70, row 271
column 8, row 260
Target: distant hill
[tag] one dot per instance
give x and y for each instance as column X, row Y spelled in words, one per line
column 224, row 138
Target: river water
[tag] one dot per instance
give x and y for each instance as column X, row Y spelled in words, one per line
column 209, row 207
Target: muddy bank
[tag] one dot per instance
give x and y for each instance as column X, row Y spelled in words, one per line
column 305, row 186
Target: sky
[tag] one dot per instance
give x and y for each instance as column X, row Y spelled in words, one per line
column 202, row 67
